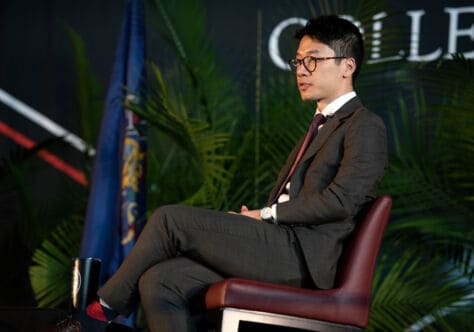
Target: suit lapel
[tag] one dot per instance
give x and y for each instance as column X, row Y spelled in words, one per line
column 330, row 126
column 285, row 169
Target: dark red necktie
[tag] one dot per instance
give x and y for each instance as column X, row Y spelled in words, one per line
column 318, row 120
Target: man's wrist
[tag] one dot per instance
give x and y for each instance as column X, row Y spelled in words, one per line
column 267, row 214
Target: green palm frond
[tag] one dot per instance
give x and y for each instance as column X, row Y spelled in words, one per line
column 90, row 94
column 435, row 226
column 51, row 273
column 202, row 143
column 418, row 166
column 408, row 288
column 197, row 106
column 427, row 203
column 430, row 173
column 215, row 95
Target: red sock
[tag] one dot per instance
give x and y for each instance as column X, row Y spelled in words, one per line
column 99, row 312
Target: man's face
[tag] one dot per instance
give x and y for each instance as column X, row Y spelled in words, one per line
column 326, row 82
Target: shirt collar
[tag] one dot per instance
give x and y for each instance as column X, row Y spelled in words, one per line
column 336, row 104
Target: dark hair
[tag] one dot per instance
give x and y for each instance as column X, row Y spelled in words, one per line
column 339, row 34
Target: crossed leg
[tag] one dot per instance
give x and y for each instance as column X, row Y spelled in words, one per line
column 223, row 244
column 172, row 292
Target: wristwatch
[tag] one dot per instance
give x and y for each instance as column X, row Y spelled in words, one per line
column 266, row 214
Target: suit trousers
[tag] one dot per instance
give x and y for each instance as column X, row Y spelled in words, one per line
column 183, row 249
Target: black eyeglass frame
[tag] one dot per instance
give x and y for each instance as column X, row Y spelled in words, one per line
column 293, row 63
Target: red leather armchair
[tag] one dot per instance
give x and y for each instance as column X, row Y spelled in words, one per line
column 344, row 308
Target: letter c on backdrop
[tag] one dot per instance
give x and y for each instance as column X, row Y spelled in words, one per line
column 273, row 42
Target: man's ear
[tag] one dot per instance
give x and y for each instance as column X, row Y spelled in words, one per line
column 349, row 67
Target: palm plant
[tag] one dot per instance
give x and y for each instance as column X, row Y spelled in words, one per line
column 20, row 226
column 32, row 220
column 430, row 182
column 50, row 273
column 197, row 108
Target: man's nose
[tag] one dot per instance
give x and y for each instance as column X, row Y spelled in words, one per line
column 301, row 70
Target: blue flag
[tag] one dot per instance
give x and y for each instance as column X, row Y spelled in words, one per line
column 116, row 200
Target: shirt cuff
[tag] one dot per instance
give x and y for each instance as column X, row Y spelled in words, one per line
column 274, row 213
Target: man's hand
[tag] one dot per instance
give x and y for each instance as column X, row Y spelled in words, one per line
column 255, row 214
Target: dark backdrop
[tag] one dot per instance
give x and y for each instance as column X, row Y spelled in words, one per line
column 36, row 64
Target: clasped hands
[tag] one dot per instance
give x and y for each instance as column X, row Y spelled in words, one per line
column 244, row 210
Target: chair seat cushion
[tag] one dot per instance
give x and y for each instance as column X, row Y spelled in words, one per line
column 330, row 305
column 348, row 304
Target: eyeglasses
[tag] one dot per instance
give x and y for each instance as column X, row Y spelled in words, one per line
column 310, row 62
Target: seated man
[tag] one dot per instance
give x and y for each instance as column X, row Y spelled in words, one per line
column 297, row 239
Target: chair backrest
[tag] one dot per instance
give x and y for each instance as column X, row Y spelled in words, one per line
column 357, row 264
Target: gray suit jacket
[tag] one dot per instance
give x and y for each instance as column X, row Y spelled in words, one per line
column 336, row 177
